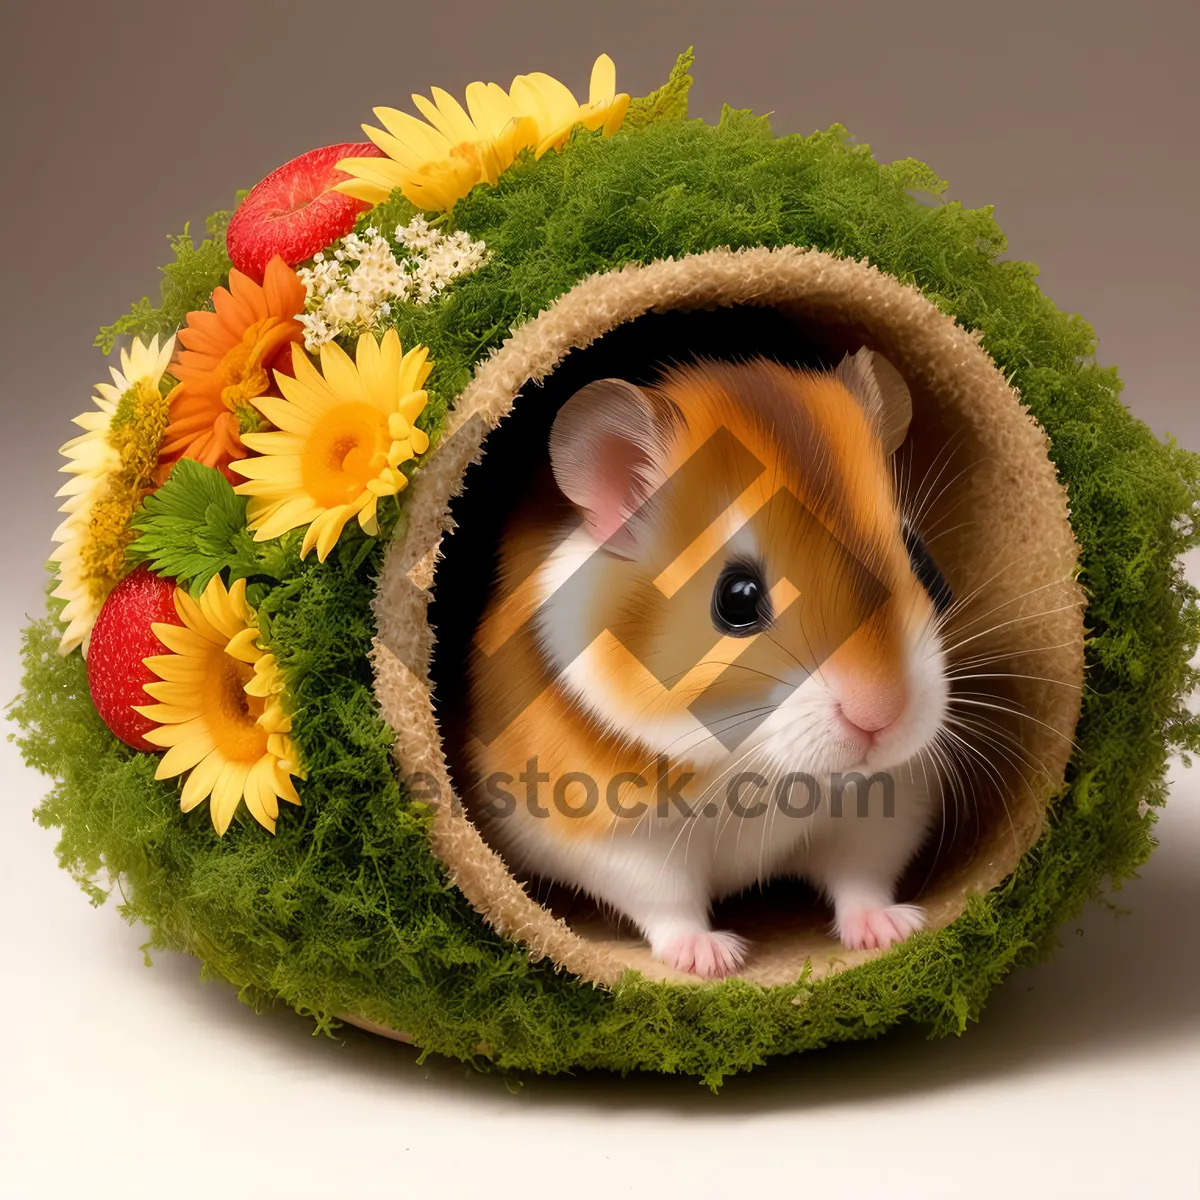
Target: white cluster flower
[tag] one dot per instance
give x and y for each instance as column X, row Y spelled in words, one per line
column 417, row 234
column 437, row 258
column 352, row 290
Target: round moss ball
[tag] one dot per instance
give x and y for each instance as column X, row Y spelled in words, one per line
column 346, row 910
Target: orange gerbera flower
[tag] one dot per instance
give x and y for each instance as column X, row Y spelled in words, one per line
column 227, row 360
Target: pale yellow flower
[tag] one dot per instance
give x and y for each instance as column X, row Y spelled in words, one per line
column 111, row 465
column 221, row 711
column 437, row 161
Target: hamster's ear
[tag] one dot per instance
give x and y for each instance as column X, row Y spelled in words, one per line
column 606, row 453
column 882, row 392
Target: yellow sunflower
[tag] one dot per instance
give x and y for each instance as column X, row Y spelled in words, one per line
column 439, row 162
column 343, row 433
column 111, row 465
column 221, row 712
column 554, row 107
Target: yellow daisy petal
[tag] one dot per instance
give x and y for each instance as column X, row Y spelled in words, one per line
column 367, row 517
column 422, row 140
column 221, row 611
column 490, row 109
column 328, row 537
column 244, row 646
column 184, row 756
column 291, row 514
column 604, row 80
column 237, row 600
column 377, row 364
column 274, row 465
column 194, row 617
column 275, row 721
column 199, row 783
column 410, row 377
column 614, row 118
column 369, row 193
column 284, row 788
column 180, row 640
column 391, row 356
column 266, row 682
column 260, row 793
column 167, row 715
column 182, row 695
column 340, row 373
column 227, row 793
column 175, row 668
column 412, row 405
column 447, row 116
column 286, row 414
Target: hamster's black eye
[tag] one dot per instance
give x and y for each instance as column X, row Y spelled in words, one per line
column 925, row 569
column 739, row 603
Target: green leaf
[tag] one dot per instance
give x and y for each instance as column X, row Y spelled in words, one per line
column 667, row 103
column 194, row 526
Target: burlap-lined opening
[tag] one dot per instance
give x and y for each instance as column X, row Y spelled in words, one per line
column 1003, row 539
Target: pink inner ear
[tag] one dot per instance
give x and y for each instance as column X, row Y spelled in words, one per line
column 610, row 491
column 602, row 452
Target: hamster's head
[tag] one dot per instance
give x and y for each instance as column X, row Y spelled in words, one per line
column 740, row 583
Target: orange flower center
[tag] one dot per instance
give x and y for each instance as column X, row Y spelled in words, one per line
column 346, row 450
column 232, row 715
column 244, row 371
column 449, row 178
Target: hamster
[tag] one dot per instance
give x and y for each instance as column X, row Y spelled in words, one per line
column 711, row 657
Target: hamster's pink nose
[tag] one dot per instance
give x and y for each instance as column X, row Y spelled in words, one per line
column 870, row 705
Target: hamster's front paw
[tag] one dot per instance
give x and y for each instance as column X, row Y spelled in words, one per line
column 878, row 928
column 706, row 954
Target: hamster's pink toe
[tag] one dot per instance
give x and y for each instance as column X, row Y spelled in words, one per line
column 709, row 955
column 879, row 928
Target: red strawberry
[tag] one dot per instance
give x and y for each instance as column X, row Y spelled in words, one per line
column 295, row 212
column 121, row 638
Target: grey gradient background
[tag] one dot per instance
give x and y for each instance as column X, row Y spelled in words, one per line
column 122, row 121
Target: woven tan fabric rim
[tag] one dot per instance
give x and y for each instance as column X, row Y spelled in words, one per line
column 933, row 353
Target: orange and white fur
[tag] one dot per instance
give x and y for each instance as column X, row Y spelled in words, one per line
column 651, row 614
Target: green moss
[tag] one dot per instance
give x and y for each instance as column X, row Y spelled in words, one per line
column 346, row 910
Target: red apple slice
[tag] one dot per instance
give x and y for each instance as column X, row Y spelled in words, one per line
column 295, row 212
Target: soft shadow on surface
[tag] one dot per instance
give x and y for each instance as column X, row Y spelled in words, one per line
column 1116, row 984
